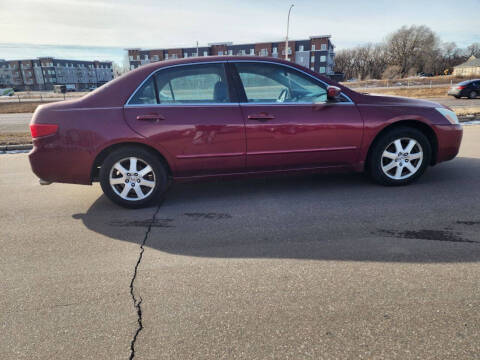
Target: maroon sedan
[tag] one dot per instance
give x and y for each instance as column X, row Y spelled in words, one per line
column 226, row 116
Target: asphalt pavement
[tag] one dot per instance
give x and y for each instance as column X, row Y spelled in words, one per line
column 302, row 267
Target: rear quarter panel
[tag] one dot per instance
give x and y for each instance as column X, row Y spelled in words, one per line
column 68, row 155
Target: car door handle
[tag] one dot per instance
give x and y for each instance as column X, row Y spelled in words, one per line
column 261, row 117
column 150, row 117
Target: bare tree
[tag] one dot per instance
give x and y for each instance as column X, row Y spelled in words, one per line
column 474, row 50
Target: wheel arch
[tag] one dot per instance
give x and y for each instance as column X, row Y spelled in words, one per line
column 416, row 124
column 102, row 155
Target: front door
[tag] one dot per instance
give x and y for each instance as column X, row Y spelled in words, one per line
column 289, row 122
column 186, row 112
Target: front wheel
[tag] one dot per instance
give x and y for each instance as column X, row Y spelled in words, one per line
column 133, row 177
column 399, row 157
column 473, row 94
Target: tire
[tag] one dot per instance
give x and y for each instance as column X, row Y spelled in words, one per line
column 121, row 185
column 473, row 94
column 384, row 161
column 457, row 96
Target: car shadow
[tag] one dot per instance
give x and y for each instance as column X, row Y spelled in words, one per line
column 318, row 217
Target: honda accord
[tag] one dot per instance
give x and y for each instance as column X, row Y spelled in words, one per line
column 224, row 116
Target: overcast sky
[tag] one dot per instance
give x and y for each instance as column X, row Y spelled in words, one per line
column 159, row 23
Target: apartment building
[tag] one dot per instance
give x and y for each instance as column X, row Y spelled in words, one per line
column 316, row 53
column 43, row 73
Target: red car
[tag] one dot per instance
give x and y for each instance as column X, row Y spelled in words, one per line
column 226, row 116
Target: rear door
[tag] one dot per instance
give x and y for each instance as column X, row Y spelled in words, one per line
column 187, row 112
column 289, row 122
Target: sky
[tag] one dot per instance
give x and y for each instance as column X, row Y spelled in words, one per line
column 102, row 29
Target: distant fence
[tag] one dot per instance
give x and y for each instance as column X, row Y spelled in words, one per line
column 39, row 97
column 408, row 82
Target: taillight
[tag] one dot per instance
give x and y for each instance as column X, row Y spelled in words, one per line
column 39, row 130
column 460, row 87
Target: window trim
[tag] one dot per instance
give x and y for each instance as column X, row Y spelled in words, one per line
column 154, row 73
column 243, row 96
column 237, row 95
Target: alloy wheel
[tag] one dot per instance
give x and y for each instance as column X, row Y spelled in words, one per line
column 402, row 158
column 132, row 179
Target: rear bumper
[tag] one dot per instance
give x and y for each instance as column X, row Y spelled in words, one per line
column 449, row 140
column 454, row 92
column 52, row 162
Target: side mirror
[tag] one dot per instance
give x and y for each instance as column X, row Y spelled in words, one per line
column 333, row 92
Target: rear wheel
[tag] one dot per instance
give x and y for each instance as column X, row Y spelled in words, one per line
column 473, row 94
column 133, row 177
column 399, row 157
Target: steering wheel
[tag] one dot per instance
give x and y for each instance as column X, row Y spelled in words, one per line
column 284, row 95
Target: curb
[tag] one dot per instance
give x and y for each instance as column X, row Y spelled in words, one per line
column 16, row 147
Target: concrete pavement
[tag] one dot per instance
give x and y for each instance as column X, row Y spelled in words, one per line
column 310, row 267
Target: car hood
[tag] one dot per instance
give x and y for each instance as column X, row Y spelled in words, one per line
column 385, row 100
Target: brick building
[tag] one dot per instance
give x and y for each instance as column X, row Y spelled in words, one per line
column 316, row 53
column 43, row 73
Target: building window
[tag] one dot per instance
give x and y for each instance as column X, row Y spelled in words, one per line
column 312, row 68
column 275, row 50
column 323, row 58
column 252, row 51
column 263, row 52
column 322, row 70
column 242, row 52
column 166, row 56
column 301, row 47
column 185, row 55
column 130, row 58
column 220, row 53
column 230, row 52
column 312, row 59
column 205, row 53
column 313, row 47
column 323, row 47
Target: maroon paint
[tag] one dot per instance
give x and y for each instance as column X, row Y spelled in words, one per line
column 230, row 139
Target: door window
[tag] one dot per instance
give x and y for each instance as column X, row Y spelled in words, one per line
column 145, row 95
column 271, row 83
column 189, row 84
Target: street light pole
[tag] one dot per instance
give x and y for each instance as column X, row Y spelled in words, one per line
column 288, row 26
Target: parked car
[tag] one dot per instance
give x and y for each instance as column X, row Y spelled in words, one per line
column 468, row 88
column 213, row 117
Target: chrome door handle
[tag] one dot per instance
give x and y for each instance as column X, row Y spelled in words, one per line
column 261, row 117
column 150, row 117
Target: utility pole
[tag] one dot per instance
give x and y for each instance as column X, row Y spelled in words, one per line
column 197, row 48
column 288, row 26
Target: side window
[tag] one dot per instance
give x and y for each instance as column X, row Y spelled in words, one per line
column 270, row 83
column 145, row 95
column 190, row 84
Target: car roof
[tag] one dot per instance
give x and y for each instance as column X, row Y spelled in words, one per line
column 466, row 82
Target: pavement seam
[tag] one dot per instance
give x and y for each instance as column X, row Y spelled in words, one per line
column 137, row 302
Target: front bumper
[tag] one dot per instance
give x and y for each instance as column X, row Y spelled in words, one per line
column 449, row 139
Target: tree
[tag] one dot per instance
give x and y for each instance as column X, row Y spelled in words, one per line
column 411, row 47
column 474, row 50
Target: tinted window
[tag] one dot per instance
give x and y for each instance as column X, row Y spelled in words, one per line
column 203, row 83
column 466, row 82
column 145, row 95
column 279, row 84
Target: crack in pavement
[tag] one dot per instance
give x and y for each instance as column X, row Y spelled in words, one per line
column 137, row 301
